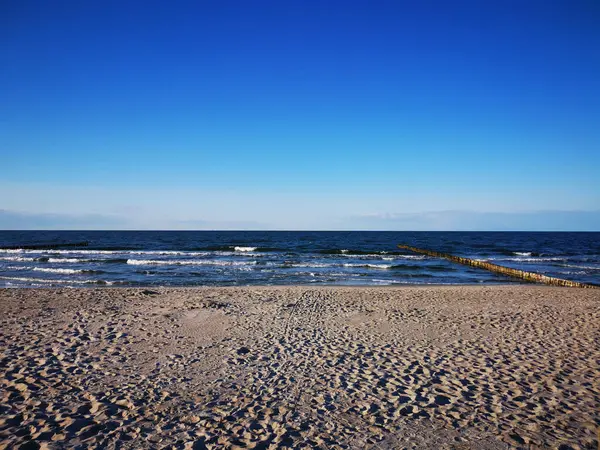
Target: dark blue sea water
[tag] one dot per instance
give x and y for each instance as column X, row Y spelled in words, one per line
column 196, row 258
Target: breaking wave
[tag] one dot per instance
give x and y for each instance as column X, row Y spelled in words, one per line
column 526, row 259
column 46, row 281
column 64, row 271
column 57, row 270
column 188, row 262
column 17, row 258
column 65, row 260
column 575, row 266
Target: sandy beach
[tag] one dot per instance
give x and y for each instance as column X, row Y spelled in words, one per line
column 272, row 367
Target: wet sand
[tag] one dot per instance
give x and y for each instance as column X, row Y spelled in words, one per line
column 330, row 367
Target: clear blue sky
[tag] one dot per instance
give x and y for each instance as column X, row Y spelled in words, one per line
column 299, row 114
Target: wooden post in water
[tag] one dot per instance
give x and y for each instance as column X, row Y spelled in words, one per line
column 528, row 276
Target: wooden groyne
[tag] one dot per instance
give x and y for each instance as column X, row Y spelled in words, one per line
column 528, row 276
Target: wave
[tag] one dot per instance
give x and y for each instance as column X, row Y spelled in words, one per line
column 83, row 260
column 526, row 259
column 188, row 262
column 69, row 252
column 47, row 246
column 535, row 254
column 369, row 253
column 19, row 268
column 216, row 248
column 64, row 260
column 17, row 258
column 46, row 281
column 136, row 252
column 573, row 272
column 313, row 265
column 365, row 255
column 575, row 266
column 379, row 282
column 53, row 270
column 237, row 248
column 245, row 249
column 166, row 252
column 282, row 265
column 345, row 251
column 384, row 257
column 58, row 270
column 342, row 251
column 539, row 259
column 118, row 248
column 370, row 266
column 402, row 267
column 64, row 271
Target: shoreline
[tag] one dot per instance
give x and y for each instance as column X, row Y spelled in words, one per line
column 417, row 366
column 269, row 286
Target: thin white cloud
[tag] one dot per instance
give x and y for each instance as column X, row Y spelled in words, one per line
column 426, row 221
column 476, row 221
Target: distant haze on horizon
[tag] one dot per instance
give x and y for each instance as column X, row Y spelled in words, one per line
column 382, row 115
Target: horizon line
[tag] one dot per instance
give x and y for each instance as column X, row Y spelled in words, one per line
column 299, row 231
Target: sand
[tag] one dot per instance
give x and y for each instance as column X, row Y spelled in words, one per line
column 331, row 367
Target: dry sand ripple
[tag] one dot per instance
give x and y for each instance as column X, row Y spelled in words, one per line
column 332, row 367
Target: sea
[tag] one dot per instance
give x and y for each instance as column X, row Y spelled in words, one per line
column 247, row 258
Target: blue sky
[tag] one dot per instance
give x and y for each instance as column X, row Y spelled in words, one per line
column 300, row 115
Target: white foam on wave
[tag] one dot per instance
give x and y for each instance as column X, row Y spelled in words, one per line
column 385, row 258
column 388, row 282
column 57, row 270
column 65, row 260
column 245, row 249
column 538, row 259
column 575, row 266
column 187, row 262
column 371, row 266
column 238, row 254
column 316, row 265
column 331, row 265
column 522, row 253
column 165, row 252
column 415, row 283
column 10, row 250
column 75, row 252
column 572, row 272
column 382, row 282
column 363, row 256
column 524, row 259
column 105, row 252
column 41, row 280
column 17, row 258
